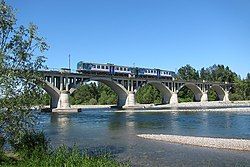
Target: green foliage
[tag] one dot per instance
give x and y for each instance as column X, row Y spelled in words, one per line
column 216, row 73
column 148, row 94
column 20, row 59
column 2, row 141
column 188, row 73
column 63, row 156
column 240, row 90
column 185, row 95
column 94, row 94
column 212, row 95
column 44, row 100
column 92, row 101
column 31, row 141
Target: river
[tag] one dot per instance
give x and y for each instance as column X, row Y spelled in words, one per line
column 104, row 130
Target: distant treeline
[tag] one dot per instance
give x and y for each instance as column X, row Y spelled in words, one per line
column 94, row 93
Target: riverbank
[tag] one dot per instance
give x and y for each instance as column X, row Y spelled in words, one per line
column 222, row 143
column 218, row 106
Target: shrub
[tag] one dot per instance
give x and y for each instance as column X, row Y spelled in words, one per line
column 30, row 142
column 92, row 101
column 2, row 141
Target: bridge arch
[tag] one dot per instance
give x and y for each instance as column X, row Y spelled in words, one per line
column 116, row 87
column 164, row 90
column 194, row 88
column 221, row 93
column 53, row 92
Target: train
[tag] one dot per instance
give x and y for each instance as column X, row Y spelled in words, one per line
column 112, row 69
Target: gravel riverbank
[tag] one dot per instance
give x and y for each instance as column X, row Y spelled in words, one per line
column 235, row 144
column 238, row 106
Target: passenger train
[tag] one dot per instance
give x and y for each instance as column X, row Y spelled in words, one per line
column 111, row 69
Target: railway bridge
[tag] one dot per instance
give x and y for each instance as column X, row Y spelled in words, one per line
column 60, row 84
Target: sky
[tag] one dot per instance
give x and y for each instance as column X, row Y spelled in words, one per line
column 165, row 34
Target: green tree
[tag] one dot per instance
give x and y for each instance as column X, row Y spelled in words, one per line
column 91, row 92
column 185, row 95
column 103, row 98
column 82, row 95
column 248, row 77
column 20, row 59
column 188, row 73
column 218, row 73
column 148, row 94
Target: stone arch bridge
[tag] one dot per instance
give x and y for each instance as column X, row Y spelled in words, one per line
column 59, row 85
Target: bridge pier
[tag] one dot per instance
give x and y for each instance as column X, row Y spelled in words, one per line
column 130, row 101
column 226, row 97
column 204, row 97
column 174, row 98
column 63, row 102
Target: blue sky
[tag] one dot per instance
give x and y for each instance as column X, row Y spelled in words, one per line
column 166, row 34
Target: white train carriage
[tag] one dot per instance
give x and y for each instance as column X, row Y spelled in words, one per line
column 111, row 69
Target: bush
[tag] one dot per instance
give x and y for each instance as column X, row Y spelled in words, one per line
column 2, row 141
column 30, row 142
column 92, row 101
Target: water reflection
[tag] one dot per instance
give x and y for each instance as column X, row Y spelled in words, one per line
column 117, row 121
column 61, row 120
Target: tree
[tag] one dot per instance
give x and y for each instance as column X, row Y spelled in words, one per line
column 205, row 74
column 185, row 95
column 188, row 73
column 20, row 59
column 148, row 94
column 248, row 77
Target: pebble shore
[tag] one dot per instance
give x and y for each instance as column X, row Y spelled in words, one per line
column 235, row 144
column 217, row 106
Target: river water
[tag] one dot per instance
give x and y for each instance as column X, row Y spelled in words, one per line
column 104, row 130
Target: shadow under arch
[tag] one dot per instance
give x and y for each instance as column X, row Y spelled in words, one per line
column 116, row 87
column 194, row 89
column 164, row 90
column 219, row 91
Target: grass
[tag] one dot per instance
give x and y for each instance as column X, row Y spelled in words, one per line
column 61, row 157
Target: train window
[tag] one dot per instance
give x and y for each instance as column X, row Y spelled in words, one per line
column 98, row 66
column 102, row 67
column 107, row 67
